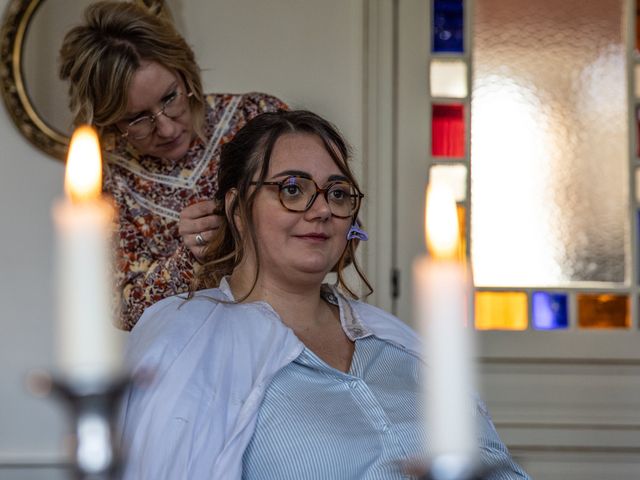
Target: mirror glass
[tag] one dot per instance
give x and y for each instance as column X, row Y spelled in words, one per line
column 44, row 36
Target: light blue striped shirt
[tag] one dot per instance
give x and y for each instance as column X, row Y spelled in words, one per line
column 213, row 363
column 316, row 422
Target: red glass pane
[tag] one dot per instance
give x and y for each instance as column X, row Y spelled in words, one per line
column 447, row 131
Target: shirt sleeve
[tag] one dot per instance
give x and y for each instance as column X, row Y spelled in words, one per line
column 494, row 456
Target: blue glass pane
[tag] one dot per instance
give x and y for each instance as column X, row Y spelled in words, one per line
column 448, row 26
column 549, row 311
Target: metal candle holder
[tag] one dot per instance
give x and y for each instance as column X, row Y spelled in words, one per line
column 455, row 467
column 93, row 407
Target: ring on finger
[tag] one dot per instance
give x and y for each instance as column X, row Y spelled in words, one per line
column 199, row 240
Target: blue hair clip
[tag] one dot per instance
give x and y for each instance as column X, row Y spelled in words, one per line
column 356, row 232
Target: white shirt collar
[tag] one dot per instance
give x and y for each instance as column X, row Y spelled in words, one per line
column 351, row 323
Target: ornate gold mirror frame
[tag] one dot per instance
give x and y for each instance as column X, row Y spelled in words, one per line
column 15, row 26
column 15, row 23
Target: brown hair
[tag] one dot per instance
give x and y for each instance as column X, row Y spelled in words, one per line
column 99, row 58
column 248, row 155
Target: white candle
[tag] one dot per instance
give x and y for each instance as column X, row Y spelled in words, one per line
column 442, row 288
column 88, row 345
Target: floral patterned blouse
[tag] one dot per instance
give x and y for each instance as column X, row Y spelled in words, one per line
column 151, row 261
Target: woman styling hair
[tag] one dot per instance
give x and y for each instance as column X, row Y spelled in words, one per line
column 134, row 77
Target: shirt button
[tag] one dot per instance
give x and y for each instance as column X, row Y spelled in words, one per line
column 385, row 427
column 353, row 384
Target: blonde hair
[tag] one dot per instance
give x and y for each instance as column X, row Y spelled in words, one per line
column 248, row 156
column 100, row 57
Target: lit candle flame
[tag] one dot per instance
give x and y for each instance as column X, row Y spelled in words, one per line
column 83, row 174
column 441, row 223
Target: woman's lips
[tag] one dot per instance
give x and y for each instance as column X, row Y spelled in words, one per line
column 316, row 237
column 172, row 143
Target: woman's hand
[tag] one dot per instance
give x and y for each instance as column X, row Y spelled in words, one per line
column 197, row 226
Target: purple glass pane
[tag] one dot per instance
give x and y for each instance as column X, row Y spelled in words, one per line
column 549, row 311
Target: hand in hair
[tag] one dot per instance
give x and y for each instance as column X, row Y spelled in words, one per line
column 197, row 226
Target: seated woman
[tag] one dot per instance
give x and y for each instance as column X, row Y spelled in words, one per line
column 269, row 373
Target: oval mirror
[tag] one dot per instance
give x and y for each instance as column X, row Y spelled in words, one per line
column 30, row 37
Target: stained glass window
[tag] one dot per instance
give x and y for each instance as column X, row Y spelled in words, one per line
column 453, row 176
column 603, row 311
column 501, row 310
column 548, row 167
column 448, row 78
column 448, row 26
column 447, row 131
column 549, row 310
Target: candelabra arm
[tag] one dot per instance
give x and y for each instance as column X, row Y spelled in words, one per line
column 457, row 467
column 93, row 408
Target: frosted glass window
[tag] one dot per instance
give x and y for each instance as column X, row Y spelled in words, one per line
column 549, row 140
column 448, row 78
column 453, row 176
column 637, row 80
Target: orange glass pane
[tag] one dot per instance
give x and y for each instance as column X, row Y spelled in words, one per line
column 501, row 311
column 603, row 311
column 462, row 229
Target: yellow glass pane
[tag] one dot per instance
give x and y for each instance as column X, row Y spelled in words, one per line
column 501, row 311
column 603, row 311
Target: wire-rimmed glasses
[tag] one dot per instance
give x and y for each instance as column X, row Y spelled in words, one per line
column 173, row 107
column 298, row 193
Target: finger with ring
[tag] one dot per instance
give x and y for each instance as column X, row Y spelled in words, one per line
column 199, row 240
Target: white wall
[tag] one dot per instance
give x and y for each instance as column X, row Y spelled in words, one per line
column 309, row 53
column 30, row 428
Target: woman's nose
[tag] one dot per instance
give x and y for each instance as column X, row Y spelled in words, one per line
column 319, row 208
column 165, row 126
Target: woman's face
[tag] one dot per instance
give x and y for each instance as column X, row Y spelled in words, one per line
column 152, row 85
column 299, row 246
